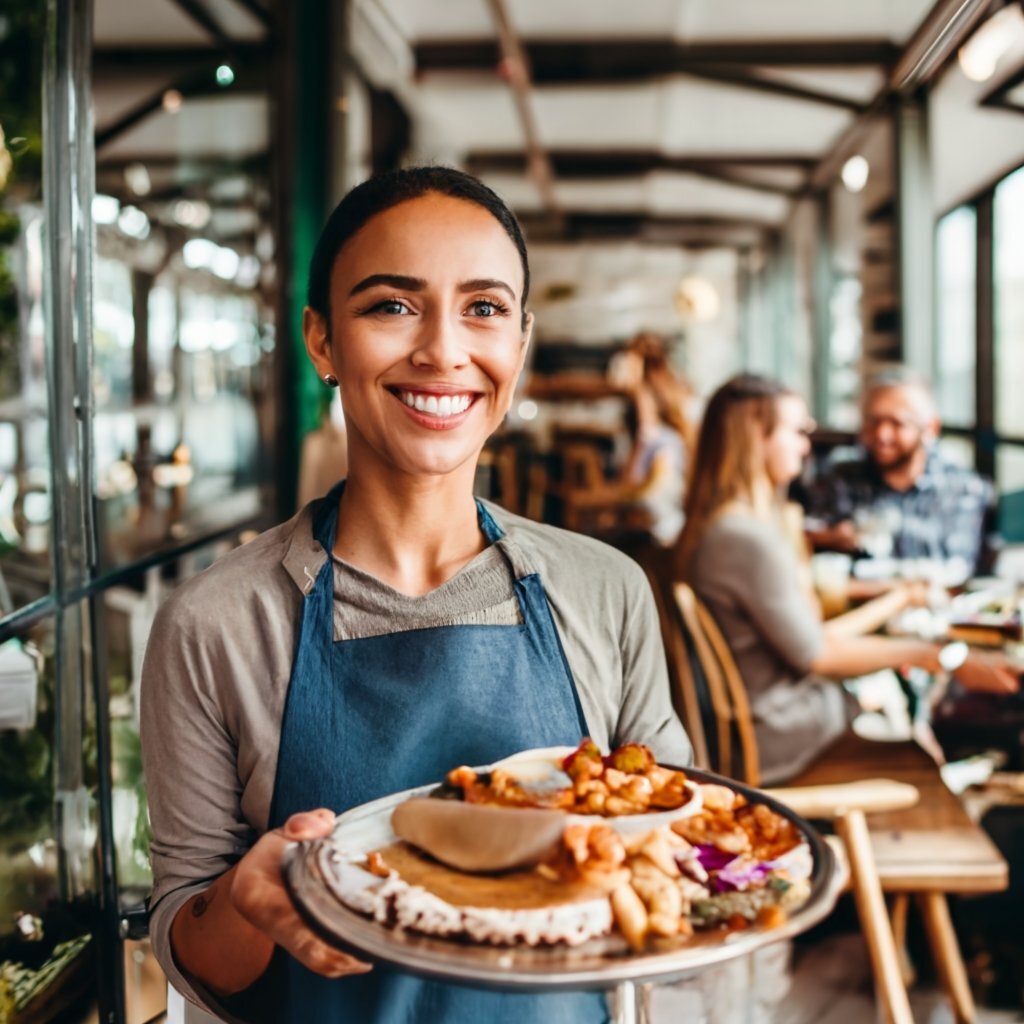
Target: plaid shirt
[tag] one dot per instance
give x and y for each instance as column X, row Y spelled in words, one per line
column 948, row 512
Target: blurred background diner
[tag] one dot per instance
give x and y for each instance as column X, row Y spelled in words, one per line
column 824, row 195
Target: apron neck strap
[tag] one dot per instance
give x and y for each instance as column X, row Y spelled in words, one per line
column 325, row 520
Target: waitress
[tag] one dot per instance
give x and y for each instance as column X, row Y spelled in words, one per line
column 390, row 631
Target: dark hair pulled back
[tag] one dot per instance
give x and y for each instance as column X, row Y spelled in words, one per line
column 380, row 193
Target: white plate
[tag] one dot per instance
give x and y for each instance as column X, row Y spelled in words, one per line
column 597, row 964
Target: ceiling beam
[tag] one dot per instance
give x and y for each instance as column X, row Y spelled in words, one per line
column 173, row 58
column 616, row 61
column 946, row 26
column 519, row 81
column 618, row 226
column 746, row 79
column 595, row 167
column 604, row 163
column 200, row 82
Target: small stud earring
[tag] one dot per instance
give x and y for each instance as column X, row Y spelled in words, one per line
column 330, row 380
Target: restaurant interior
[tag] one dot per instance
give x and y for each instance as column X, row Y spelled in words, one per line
column 810, row 191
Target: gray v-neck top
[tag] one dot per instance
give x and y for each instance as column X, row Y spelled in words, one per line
column 482, row 593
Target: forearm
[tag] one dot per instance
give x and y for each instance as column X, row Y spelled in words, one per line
column 869, row 616
column 213, row 943
column 833, row 538
column 844, row 657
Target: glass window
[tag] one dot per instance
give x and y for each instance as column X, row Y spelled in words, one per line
column 1008, row 274
column 46, row 947
column 958, row 450
column 184, row 292
column 24, row 434
column 1010, row 481
column 956, row 244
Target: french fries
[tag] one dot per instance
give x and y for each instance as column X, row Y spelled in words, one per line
column 654, row 878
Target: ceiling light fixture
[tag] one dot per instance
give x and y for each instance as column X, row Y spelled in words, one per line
column 137, row 179
column 172, row 101
column 980, row 55
column 855, row 173
column 192, row 213
column 697, row 299
column 225, row 75
column 133, row 222
column 105, row 209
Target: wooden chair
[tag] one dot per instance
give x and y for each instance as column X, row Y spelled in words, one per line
column 725, row 711
column 920, row 840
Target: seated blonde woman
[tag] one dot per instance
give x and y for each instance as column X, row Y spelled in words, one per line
column 737, row 554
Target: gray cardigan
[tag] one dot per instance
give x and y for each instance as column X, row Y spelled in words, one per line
column 746, row 572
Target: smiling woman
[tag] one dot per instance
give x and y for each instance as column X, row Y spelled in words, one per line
column 393, row 628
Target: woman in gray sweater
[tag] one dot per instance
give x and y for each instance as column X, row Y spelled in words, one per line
column 744, row 565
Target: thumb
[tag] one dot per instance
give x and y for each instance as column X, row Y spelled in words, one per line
column 309, row 824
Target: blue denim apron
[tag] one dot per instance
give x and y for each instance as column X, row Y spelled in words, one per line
column 368, row 717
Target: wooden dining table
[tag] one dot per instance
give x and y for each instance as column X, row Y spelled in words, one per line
column 926, row 852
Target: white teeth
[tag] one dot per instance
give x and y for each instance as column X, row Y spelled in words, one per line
column 432, row 405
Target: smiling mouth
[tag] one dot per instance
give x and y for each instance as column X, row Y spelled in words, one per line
column 439, row 406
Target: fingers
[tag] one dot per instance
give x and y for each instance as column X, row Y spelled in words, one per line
column 259, row 895
column 324, row 959
column 1010, row 680
column 309, row 824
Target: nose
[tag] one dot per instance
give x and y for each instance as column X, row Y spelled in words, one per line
column 440, row 343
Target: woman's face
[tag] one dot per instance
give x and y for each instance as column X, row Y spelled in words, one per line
column 426, row 335
column 788, row 444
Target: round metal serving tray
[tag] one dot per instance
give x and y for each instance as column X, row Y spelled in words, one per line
column 597, row 964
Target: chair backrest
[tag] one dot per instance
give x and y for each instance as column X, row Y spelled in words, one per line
column 684, row 692
column 714, row 692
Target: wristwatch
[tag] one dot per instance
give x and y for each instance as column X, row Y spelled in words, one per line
column 953, row 655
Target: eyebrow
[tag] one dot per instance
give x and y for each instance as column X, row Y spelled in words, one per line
column 418, row 284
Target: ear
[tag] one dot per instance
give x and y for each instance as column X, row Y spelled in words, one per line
column 527, row 335
column 318, row 340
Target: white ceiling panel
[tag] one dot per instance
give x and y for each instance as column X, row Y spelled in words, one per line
column 428, row 20
column 236, row 21
column 517, row 190
column 660, row 194
column 623, row 117
column 224, row 126
column 623, row 195
column 780, row 177
column 687, row 20
column 689, row 195
column 479, row 118
column 860, row 84
column 145, row 23
column 709, row 118
column 761, row 21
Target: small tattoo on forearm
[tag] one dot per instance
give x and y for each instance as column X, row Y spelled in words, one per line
column 202, row 903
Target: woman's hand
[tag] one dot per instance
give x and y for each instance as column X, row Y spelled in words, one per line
column 224, row 936
column 988, row 672
column 258, row 893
